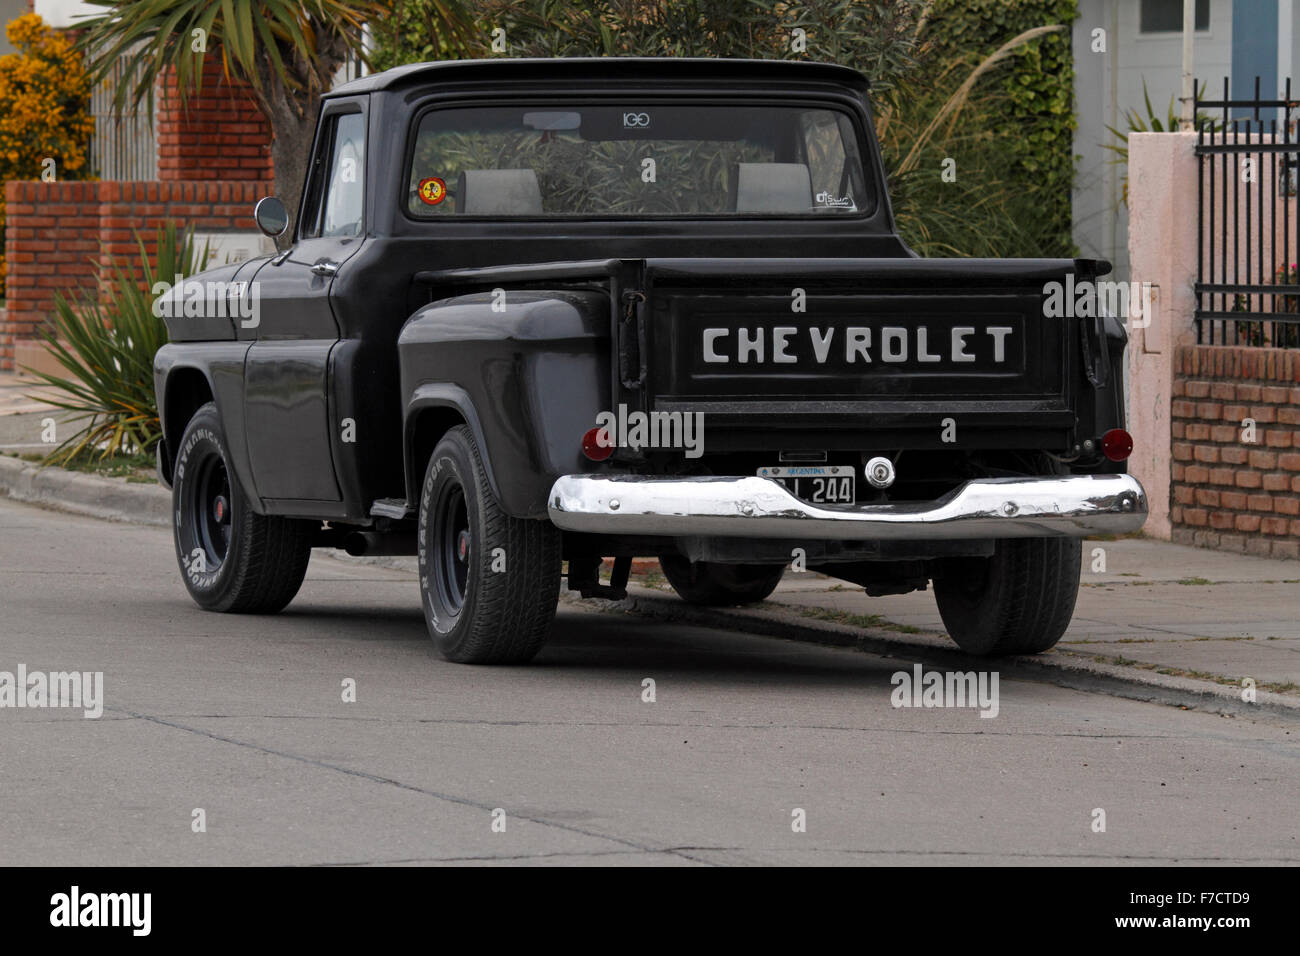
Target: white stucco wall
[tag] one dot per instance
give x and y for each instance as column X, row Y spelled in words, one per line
column 64, row 13
column 1162, row 188
column 9, row 10
column 1159, row 56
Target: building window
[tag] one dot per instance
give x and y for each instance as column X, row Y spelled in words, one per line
column 1166, row 16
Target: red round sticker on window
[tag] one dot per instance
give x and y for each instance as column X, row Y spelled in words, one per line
column 432, row 190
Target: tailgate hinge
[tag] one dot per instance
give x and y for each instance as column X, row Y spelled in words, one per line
column 631, row 341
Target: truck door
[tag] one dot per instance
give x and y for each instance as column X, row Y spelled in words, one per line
column 289, row 423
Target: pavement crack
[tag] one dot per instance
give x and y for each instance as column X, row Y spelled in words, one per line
column 495, row 858
column 686, row 725
column 389, row 781
column 850, row 851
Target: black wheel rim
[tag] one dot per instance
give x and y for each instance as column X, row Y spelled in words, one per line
column 209, row 511
column 452, row 547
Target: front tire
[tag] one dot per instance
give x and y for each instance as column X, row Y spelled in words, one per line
column 720, row 585
column 1019, row 601
column 489, row 582
column 231, row 558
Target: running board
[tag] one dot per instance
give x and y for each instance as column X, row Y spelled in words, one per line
column 395, row 508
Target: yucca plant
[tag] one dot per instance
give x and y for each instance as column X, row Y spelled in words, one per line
column 1151, row 123
column 108, row 350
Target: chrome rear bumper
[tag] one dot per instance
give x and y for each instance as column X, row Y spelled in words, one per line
column 752, row 507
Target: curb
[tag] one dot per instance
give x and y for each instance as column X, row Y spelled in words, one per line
column 113, row 499
column 1055, row 667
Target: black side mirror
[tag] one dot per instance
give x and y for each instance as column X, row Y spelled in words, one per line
column 271, row 216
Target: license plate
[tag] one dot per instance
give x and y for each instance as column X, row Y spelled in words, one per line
column 817, row 484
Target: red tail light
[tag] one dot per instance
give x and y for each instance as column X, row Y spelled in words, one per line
column 1117, row 444
column 596, row 444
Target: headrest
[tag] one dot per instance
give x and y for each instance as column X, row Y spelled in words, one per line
column 771, row 187
column 498, row 192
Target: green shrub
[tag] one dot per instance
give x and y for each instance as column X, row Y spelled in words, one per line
column 872, row 34
column 108, row 350
column 1032, row 127
column 954, row 188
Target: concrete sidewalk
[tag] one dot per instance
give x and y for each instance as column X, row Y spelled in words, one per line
column 24, row 404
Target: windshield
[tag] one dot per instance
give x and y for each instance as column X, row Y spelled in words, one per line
column 636, row 161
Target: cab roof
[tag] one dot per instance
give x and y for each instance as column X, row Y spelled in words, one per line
column 617, row 68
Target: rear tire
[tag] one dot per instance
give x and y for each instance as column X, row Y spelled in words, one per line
column 1019, row 601
column 489, row 582
column 720, row 585
column 231, row 558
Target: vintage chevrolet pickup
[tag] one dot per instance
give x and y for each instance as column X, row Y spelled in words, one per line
column 535, row 312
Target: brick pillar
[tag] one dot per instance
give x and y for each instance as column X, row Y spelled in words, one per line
column 219, row 134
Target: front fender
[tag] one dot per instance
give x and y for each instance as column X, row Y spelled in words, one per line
column 528, row 371
column 186, row 376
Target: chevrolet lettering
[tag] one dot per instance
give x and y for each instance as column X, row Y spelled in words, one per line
column 793, row 345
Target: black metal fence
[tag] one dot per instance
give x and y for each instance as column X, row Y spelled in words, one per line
column 1248, row 237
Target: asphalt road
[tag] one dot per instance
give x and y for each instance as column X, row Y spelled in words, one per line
column 243, row 717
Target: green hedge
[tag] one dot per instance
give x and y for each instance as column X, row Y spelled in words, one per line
column 1036, row 134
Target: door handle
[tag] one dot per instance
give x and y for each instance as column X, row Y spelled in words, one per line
column 323, row 267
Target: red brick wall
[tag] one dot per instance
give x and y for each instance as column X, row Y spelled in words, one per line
column 56, row 233
column 219, row 134
column 51, row 236
column 1227, row 493
column 125, row 208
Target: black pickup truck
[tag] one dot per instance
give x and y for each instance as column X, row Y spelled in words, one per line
column 544, row 311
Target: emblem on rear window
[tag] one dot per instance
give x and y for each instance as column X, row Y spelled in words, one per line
column 636, row 120
column 432, row 190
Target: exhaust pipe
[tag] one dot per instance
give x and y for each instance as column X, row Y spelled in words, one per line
column 360, row 543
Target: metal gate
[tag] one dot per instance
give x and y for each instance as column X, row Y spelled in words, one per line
column 1248, row 237
column 122, row 148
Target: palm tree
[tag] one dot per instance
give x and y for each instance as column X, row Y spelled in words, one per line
column 287, row 51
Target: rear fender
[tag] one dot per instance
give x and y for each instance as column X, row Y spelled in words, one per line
column 528, row 371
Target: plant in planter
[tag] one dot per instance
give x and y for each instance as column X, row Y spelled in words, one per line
column 1287, row 334
column 1249, row 332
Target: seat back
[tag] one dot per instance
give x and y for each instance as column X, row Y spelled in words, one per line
column 771, row 187
column 498, row 192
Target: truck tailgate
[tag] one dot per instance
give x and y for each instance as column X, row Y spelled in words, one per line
column 861, row 341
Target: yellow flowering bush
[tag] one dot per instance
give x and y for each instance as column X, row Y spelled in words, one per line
column 44, row 109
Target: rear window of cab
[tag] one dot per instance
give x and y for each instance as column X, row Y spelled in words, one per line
column 668, row 160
